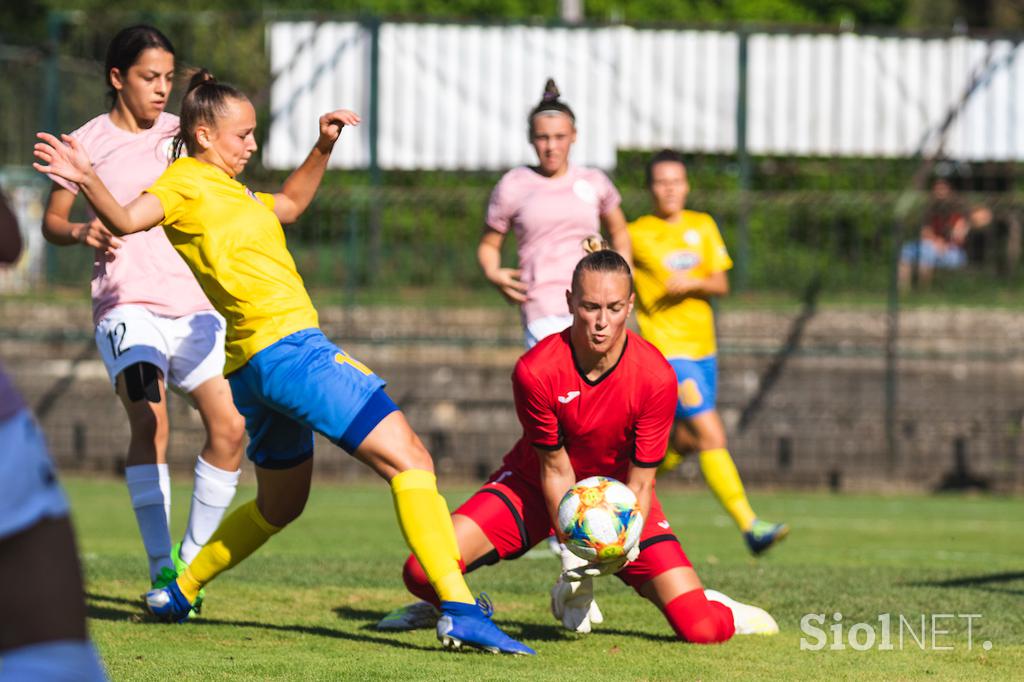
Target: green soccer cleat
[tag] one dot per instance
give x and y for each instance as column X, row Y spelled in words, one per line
column 410, row 617
column 180, row 566
column 166, row 576
column 763, row 534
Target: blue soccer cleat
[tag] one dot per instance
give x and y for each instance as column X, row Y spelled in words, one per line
column 179, row 567
column 471, row 625
column 168, row 603
column 762, row 535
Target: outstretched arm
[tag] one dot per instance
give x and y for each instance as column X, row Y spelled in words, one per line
column 300, row 187
column 58, row 228
column 68, row 160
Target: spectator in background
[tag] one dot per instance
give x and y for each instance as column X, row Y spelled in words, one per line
column 941, row 241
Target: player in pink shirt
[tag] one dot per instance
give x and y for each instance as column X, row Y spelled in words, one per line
column 154, row 325
column 553, row 208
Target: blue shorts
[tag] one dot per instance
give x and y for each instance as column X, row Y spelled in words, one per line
column 301, row 384
column 925, row 254
column 698, row 385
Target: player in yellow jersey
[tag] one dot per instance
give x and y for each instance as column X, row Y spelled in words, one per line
column 287, row 379
column 680, row 264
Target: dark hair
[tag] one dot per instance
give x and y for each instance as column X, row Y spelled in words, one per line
column 205, row 100
column 549, row 102
column 601, row 260
column 665, row 155
column 125, row 48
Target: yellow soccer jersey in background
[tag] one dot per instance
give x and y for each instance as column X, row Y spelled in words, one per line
column 235, row 246
column 679, row 327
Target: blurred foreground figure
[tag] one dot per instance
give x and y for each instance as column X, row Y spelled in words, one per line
column 42, row 633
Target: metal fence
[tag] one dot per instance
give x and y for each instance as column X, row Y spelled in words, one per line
column 830, row 375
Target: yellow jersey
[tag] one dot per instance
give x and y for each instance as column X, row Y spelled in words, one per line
column 235, row 247
column 679, row 327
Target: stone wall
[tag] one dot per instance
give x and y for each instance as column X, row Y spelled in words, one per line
column 803, row 397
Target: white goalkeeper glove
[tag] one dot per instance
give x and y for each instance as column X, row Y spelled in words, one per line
column 572, row 602
column 596, row 568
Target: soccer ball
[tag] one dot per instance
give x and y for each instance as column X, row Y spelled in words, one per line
column 600, row 519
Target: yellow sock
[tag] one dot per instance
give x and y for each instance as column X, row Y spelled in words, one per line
column 427, row 527
column 240, row 534
column 444, row 521
column 724, row 481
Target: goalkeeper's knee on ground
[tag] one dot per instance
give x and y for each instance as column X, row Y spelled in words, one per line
column 699, row 621
column 417, row 583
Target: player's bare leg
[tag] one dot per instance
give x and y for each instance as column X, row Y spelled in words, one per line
column 141, row 390
column 43, row 632
column 281, row 496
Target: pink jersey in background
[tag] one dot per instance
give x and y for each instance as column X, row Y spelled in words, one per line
column 551, row 217
column 146, row 270
column 10, row 400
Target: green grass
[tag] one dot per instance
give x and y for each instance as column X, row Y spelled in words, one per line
column 303, row 607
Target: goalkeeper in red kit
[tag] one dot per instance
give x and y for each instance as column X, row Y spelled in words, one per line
column 595, row 399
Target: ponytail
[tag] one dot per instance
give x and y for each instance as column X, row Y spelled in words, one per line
column 205, row 100
column 600, row 258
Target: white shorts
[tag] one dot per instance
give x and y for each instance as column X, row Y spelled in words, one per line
column 29, row 491
column 545, row 326
column 189, row 350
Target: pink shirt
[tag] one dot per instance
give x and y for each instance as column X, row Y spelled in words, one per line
column 551, row 217
column 10, row 400
column 146, row 270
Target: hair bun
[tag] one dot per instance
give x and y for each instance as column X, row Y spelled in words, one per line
column 200, row 77
column 551, row 93
column 593, row 243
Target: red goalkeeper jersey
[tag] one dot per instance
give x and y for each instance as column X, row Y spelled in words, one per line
column 621, row 418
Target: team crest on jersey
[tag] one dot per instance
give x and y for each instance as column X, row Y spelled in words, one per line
column 167, row 149
column 691, row 237
column 585, row 191
column 682, row 260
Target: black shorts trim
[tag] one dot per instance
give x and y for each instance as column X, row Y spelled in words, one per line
column 524, row 540
column 667, row 537
column 488, row 559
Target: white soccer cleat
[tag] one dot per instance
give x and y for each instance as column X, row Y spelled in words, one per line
column 410, row 617
column 747, row 618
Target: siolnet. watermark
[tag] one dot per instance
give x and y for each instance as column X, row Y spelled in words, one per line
column 928, row 632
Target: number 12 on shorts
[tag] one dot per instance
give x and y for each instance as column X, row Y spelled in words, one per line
column 116, row 338
column 343, row 358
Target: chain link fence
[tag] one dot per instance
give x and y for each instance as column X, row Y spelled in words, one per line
column 831, row 374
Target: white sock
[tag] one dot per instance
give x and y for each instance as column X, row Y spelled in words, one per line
column 150, row 488
column 60, row 661
column 211, row 497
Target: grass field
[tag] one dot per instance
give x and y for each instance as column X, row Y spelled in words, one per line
column 303, row 607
